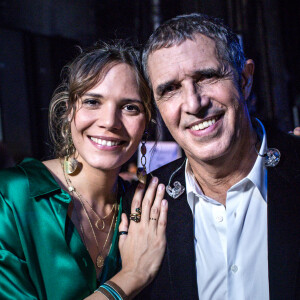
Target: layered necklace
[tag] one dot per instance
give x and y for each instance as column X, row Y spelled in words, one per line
column 99, row 224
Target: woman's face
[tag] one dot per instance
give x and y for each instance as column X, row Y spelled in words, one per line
column 110, row 120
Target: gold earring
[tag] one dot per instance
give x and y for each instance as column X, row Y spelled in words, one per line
column 142, row 172
column 70, row 164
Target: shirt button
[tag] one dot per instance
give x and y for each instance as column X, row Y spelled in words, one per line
column 234, row 268
column 219, row 219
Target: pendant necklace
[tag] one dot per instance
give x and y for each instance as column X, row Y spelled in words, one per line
column 99, row 224
column 100, row 257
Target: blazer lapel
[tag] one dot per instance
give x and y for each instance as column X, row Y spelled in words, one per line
column 283, row 230
column 180, row 244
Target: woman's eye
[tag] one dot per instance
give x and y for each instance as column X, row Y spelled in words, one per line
column 132, row 108
column 90, row 102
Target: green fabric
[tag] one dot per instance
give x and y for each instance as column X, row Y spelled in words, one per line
column 39, row 258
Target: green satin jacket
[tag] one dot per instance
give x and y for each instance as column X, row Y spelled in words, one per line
column 39, row 257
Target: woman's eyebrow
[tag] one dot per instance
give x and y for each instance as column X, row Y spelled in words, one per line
column 93, row 95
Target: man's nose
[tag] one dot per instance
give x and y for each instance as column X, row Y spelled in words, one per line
column 194, row 99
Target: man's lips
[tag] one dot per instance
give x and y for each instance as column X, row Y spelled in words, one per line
column 110, row 142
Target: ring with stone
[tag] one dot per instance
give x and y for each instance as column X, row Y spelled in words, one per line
column 135, row 217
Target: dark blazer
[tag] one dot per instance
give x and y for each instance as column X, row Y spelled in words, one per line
column 176, row 278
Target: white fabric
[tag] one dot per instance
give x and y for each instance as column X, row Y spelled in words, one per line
column 231, row 242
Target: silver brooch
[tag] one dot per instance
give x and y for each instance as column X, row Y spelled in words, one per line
column 178, row 188
column 176, row 191
column 272, row 157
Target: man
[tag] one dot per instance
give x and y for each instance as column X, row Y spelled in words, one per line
column 233, row 221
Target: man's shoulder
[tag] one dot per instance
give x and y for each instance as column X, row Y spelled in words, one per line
column 164, row 172
column 287, row 144
column 288, row 169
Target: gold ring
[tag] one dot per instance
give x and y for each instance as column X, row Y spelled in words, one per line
column 135, row 217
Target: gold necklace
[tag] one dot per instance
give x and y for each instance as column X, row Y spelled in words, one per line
column 100, row 258
column 98, row 217
column 72, row 189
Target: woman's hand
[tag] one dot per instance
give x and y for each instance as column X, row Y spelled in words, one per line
column 142, row 250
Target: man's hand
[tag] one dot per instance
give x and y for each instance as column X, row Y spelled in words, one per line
column 297, row 131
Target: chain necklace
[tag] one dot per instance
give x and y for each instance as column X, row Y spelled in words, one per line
column 100, row 258
column 100, row 220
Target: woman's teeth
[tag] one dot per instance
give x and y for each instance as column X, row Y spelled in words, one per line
column 105, row 142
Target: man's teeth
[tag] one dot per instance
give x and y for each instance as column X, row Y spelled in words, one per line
column 105, row 142
column 204, row 124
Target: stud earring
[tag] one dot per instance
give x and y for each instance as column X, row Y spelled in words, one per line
column 142, row 172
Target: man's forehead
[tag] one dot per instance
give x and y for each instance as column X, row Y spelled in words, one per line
column 191, row 54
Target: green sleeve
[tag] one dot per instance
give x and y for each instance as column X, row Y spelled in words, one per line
column 15, row 281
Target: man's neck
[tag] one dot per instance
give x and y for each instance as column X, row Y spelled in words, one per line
column 217, row 177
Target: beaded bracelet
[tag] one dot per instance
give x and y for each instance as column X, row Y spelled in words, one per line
column 112, row 291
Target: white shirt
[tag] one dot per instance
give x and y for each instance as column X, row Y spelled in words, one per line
column 231, row 242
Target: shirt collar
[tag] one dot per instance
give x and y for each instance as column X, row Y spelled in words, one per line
column 257, row 175
column 41, row 181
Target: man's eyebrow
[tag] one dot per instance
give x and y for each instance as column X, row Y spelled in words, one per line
column 208, row 72
column 163, row 86
column 219, row 72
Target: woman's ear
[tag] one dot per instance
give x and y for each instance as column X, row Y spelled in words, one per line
column 71, row 114
column 247, row 78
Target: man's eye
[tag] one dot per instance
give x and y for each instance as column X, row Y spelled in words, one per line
column 206, row 77
column 169, row 89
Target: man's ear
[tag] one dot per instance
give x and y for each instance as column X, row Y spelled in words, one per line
column 247, row 78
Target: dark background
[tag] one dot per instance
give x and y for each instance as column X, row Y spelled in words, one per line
column 38, row 37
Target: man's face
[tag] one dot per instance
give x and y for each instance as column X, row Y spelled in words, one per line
column 199, row 99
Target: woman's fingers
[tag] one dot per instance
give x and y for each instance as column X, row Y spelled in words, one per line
column 148, row 199
column 143, row 248
column 138, row 197
column 162, row 221
column 123, row 229
column 155, row 209
column 146, row 206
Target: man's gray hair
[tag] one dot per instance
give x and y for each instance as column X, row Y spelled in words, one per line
column 177, row 30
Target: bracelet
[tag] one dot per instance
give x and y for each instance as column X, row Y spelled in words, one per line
column 117, row 289
column 104, row 292
column 112, row 291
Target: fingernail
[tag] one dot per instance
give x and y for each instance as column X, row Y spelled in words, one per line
column 161, row 186
column 154, row 180
column 164, row 202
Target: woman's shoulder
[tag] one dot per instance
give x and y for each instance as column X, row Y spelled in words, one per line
column 30, row 175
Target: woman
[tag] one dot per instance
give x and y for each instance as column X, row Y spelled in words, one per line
column 60, row 218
